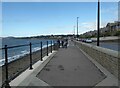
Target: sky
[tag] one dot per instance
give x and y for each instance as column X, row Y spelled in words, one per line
column 22, row 19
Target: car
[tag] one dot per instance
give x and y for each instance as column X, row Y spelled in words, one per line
column 88, row 41
column 83, row 40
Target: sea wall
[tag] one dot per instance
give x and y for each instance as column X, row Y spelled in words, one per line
column 108, row 39
column 106, row 57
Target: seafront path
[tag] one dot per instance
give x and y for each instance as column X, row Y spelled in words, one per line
column 65, row 67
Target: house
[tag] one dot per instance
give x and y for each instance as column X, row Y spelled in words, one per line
column 113, row 26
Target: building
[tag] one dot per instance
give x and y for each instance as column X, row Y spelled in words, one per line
column 109, row 30
column 113, row 26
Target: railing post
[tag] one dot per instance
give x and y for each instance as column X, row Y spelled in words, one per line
column 31, row 56
column 51, row 46
column 6, row 67
column 54, row 45
column 47, row 48
column 41, row 51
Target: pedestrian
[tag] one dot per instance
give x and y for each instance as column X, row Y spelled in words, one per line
column 62, row 44
column 66, row 42
column 58, row 41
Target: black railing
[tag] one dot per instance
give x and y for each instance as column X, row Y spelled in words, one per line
column 47, row 48
column 41, row 52
column 51, row 46
column 31, row 56
column 5, row 67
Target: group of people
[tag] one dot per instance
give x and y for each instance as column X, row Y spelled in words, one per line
column 64, row 43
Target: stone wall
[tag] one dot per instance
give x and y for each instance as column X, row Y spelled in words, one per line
column 106, row 57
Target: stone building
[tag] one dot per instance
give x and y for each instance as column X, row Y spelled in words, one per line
column 113, row 26
column 109, row 30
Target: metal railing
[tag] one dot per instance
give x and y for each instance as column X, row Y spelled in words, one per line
column 53, row 46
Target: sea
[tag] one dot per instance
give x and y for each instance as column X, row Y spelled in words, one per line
column 17, row 52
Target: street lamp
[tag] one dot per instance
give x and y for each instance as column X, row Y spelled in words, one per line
column 77, row 27
column 98, row 24
column 74, row 31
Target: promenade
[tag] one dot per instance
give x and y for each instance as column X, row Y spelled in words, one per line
column 70, row 67
column 66, row 67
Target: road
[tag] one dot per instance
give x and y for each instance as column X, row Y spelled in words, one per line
column 109, row 45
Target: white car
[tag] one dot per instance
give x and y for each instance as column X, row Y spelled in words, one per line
column 88, row 41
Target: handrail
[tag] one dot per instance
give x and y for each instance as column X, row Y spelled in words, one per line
column 30, row 56
column 18, row 46
column 8, row 47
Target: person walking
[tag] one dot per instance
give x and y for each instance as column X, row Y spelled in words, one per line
column 58, row 41
column 65, row 43
column 62, row 44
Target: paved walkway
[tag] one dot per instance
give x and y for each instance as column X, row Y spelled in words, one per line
column 70, row 67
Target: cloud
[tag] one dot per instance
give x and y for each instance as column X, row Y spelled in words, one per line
column 87, row 26
column 90, row 26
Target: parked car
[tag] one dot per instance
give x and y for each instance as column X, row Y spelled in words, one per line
column 83, row 40
column 88, row 41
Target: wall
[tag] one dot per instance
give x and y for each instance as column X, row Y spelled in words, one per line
column 106, row 57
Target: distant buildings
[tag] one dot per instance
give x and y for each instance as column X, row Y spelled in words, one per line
column 111, row 29
column 113, row 26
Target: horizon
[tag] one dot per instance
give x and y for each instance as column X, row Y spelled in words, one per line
column 25, row 19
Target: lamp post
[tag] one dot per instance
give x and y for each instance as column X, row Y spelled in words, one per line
column 77, row 27
column 98, row 24
column 74, row 31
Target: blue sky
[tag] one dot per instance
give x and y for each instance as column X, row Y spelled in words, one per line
column 39, row 18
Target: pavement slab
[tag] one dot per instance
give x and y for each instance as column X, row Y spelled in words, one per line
column 70, row 67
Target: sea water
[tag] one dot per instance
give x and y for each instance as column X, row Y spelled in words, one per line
column 16, row 53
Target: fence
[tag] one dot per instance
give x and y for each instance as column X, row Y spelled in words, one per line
column 12, row 69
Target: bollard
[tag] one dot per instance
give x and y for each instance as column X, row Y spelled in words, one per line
column 47, row 48
column 51, row 46
column 6, row 67
column 41, row 51
column 31, row 56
